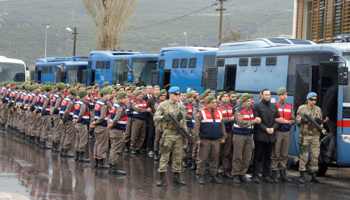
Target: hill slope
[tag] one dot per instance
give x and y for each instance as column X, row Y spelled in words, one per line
column 22, row 25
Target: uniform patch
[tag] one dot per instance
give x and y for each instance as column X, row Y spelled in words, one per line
column 64, row 103
column 113, row 110
column 136, row 106
column 77, row 107
column 97, row 107
column 240, row 117
column 120, row 109
column 197, row 114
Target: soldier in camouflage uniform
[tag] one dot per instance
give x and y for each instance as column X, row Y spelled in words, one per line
column 309, row 137
column 172, row 140
column 159, row 131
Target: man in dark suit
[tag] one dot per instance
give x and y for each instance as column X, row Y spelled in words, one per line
column 150, row 123
column 149, row 90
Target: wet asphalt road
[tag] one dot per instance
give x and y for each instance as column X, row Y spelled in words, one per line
column 41, row 174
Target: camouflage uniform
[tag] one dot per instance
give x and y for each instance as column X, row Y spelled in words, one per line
column 172, row 140
column 309, row 137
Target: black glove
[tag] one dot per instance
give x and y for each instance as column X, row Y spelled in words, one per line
column 304, row 120
column 179, row 117
column 167, row 119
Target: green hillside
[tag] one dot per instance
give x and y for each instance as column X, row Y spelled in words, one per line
column 22, row 25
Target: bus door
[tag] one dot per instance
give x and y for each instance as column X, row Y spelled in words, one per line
column 230, row 78
column 166, row 79
column 211, row 77
column 92, row 76
column 37, row 75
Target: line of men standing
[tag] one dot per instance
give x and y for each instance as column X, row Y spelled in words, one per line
column 224, row 127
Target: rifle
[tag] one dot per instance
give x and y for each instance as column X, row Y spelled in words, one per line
column 183, row 132
column 313, row 122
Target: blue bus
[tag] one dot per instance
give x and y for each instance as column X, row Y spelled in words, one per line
column 69, row 70
column 185, row 67
column 121, row 67
column 300, row 66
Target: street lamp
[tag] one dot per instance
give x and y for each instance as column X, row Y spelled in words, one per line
column 186, row 37
column 46, row 39
column 74, row 32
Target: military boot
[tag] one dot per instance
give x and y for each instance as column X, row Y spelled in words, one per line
column 302, row 178
column 184, row 162
column 102, row 165
column 62, row 152
column 274, row 176
column 176, row 179
column 256, row 179
column 315, row 179
column 160, row 181
column 193, row 165
column 82, row 158
column 68, row 154
column 243, row 179
column 96, row 163
column 77, row 155
column 91, row 134
column 126, row 147
column 227, row 174
column 44, row 146
column 156, row 156
column 284, row 177
column 113, row 169
column 215, row 179
column 201, row 180
column 236, row 179
column 189, row 162
column 267, row 179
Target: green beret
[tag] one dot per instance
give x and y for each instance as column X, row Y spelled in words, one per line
column 82, row 93
column 30, row 87
column 209, row 99
column 19, row 87
column 259, row 97
column 12, row 83
column 106, row 83
column 130, row 83
column 245, row 97
column 104, row 91
column 74, row 91
column 138, row 92
column 49, row 87
column 69, row 87
column 238, row 95
column 133, row 88
column 162, row 92
column 114, row 88
column 120, row 87
column 61, row 85
column 189, row 94
column 205, row 93
column 121, row 95
column 141, row 88
column 43, row 88
column 27, row 87
column 78, row 83
column 282, row 90
column 89, row 88
column 6, row 82
column 96, row 86
column 222, row 94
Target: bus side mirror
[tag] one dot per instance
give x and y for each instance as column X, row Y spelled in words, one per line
column 130, row 76
column 343, row 75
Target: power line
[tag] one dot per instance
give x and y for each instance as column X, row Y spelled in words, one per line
column 171, row 19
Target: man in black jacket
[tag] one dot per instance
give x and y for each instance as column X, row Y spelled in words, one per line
column 264, row 135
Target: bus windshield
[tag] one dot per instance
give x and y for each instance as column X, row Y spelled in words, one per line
column 75, row 74
column 120, row 71
column 346, row 91
column 142, row 70
column 12, row 72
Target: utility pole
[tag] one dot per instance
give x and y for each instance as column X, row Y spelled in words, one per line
column 74, row 39
column 221, row 9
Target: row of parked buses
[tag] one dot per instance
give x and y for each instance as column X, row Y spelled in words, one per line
column 249, row 66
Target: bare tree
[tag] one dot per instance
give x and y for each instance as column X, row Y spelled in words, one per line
column 232, row 33
column 112, row 18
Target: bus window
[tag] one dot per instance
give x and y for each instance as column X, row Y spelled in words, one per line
column 108, row 63
column 89, row 64
column 12, row 71
column 271, row 61
column 192, row 63
column 119, row 69
column 102, row 64
column 243, row 62
column 142, row 69
column 209, row 60
column 302, row 85
column 175, row 63
column 183, row 63
column 50, row 70
column 230, row 77
column 44, row 70
column 98, row 65
column 161, row 64
column 75, row 74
